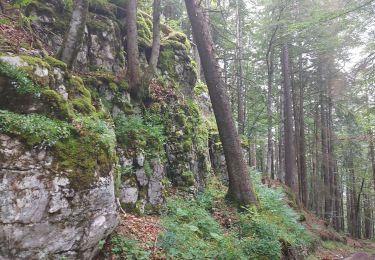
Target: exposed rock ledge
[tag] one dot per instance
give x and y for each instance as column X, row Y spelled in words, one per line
column 41, row 216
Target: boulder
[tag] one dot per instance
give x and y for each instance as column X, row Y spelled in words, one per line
column 41, row 215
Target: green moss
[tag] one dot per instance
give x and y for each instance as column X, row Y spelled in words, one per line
column 187, row 145
column 113, row 87
column 55, row 62
column 59, row 107
column 83, row 106
column 177, row 40
column 104, row 7
column 167, row 62
column 78, row 158
column 35, row 61
column 144, row 29
column 99, row 24
column 77, row 88
column 88, row 154
column 80, row 96
column 123, row 85
column 200, row 88
column 188, row 177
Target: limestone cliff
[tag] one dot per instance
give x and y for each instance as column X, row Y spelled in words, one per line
column 73, row 141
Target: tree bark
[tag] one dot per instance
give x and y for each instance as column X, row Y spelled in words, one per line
column 372, row 154
column 324, row 141
column 132, row 48
column 74, row 36
column 295, row 110
column 281, row 171
column 240, row 187
column 368, row 222
column 301, row 138
column 269, row 112
column 155, row 35
column 290, row 156
column 239, row 76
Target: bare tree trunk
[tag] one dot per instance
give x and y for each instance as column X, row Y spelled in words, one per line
column 296, row 113
column 240, row 187
column 132, row 48
column 368, row 222
column 155, row 51
column 290, row 156
column 319, row 196
column 155, row 35
column 239, row 81
column 301, row 137
column 324, row 140
column 198, row 62
column 74, row 36
column 372, row 154
column 281, row 172
column 253, row 154
column 331, row 157
column 2, row 7
column 269, row 112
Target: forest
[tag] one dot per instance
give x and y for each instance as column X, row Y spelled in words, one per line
column 187, row 129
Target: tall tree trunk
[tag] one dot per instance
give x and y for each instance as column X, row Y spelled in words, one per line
column 324, row 140
column 240, row 187
column 270, row 70
column 372, row 154
column 74, row 36
column 253, row 154
column 155, row 51
column 281, row 172
column 290, row 156
column 132, row 48
column 367, row 214
column 239, row 76
column 155, row 35
column 331, row 158
column 301, row 137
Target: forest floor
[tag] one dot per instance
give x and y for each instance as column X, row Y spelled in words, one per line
column 145, row 230
column 331, row 244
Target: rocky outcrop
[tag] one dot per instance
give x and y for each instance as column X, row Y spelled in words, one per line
column 57, row 195
column 41, row 215
column 61, row 164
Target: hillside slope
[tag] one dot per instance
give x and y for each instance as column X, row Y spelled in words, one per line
column 76, row 152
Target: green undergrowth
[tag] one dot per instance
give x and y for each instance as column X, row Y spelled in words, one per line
column 140, row 134
column 125, row 248
column 34, row 128
column 191, row 232
column 19, row 79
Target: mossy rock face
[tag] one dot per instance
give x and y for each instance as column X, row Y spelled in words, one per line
column 177, row 40
column 58, row 107
column 89, row 152
column 83, row 161
column 144, row 29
